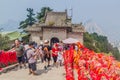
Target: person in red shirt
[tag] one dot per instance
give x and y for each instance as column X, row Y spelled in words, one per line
column 55, row 54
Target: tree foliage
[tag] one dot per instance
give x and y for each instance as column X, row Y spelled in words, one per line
column 30, row 20
column 100, row 43
column 41, row 14
column 4, row 40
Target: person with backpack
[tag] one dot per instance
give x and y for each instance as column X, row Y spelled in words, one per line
column 31, row 58
column 46, row 54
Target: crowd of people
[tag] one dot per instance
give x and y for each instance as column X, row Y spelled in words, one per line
column 76, row 56
column 31, row 53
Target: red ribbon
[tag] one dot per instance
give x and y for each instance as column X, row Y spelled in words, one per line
column 7, row 58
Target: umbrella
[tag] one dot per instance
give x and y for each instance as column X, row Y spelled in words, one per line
column 70, row 41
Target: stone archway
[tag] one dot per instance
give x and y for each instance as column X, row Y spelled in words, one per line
column 54, row 40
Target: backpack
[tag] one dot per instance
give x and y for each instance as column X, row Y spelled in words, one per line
column 25, row 54
column 46, row 51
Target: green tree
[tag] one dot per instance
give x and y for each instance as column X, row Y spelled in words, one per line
column 41, row 14
column 116, row 53
column 100, row 43
column 30, row 20
column 89, row 42
column 4, row 40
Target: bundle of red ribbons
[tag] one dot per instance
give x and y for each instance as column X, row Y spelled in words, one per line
column 90, row 65
column 7, row 58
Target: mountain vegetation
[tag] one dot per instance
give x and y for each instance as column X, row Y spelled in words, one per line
column 4, row 40
column 100, row 43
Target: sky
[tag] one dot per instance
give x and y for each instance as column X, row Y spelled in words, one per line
column 106, row 13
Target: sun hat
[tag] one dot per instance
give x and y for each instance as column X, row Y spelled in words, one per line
column 46, row 41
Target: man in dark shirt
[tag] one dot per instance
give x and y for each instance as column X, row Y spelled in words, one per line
column 47, row 54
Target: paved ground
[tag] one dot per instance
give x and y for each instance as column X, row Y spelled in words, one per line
column 52, row 73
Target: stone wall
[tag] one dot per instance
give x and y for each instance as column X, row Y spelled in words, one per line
column 56, row 18
column 49, row 33
column 59, row 33
column 36, row 36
